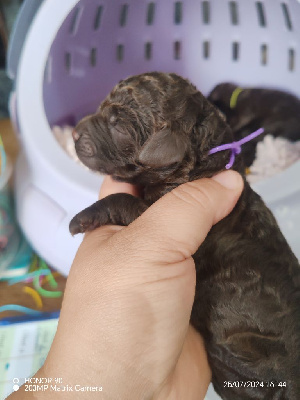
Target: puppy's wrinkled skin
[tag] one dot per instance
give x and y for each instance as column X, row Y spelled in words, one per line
column 155, row 130
column 276, row 111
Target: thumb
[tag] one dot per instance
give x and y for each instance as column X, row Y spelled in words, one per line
column 173, row 228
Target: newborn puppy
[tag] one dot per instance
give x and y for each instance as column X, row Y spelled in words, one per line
column 247, row 110
column 156, row 130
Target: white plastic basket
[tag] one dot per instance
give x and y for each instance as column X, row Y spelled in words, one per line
column 66, row 56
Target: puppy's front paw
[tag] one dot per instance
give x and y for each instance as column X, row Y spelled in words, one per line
column 84, row 221
column 115, row 209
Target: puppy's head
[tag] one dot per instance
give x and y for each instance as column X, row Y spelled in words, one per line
column 149, row 127
column 221, row 94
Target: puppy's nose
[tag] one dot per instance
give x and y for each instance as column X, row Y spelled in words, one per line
column 75, row 135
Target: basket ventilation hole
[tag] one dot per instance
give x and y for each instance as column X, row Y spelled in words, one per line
column 287, row 17
column 235, row 51
column 75, row 21
column 264, row 54
column 178, row 13
column 123, row 14
column 120, row 52
column 98, row 16
column 206, row 12
column 261, row 14
column 233, row 9
column 206, row 49
column 150, row 13
column 93, row 57
column 148, row 50
column 48, row 70
column 177, row 50
column 68, row 61
column 291, row 59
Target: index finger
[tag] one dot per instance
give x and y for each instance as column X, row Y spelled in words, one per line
column 177, row 224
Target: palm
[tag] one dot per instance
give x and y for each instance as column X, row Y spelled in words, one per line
column 192, row 374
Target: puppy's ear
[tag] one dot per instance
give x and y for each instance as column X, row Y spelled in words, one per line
column 164, row 148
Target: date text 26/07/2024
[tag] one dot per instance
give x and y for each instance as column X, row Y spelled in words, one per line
column 269, row 384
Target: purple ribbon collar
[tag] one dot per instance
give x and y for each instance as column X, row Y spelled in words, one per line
column 236, row 146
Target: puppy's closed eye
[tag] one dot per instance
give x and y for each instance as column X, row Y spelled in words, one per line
column 122, row 138
column 119, row 133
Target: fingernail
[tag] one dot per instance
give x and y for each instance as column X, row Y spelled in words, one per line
column 229, row 179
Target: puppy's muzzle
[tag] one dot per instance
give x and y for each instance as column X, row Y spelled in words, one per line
column 84, row 145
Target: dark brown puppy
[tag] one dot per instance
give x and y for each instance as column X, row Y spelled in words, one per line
column 156, row 130
column 276, row 111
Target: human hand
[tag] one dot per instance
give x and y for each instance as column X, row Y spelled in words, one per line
column 124, row 322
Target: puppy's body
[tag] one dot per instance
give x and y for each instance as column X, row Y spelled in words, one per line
column 156, row 130
column 276, row 111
